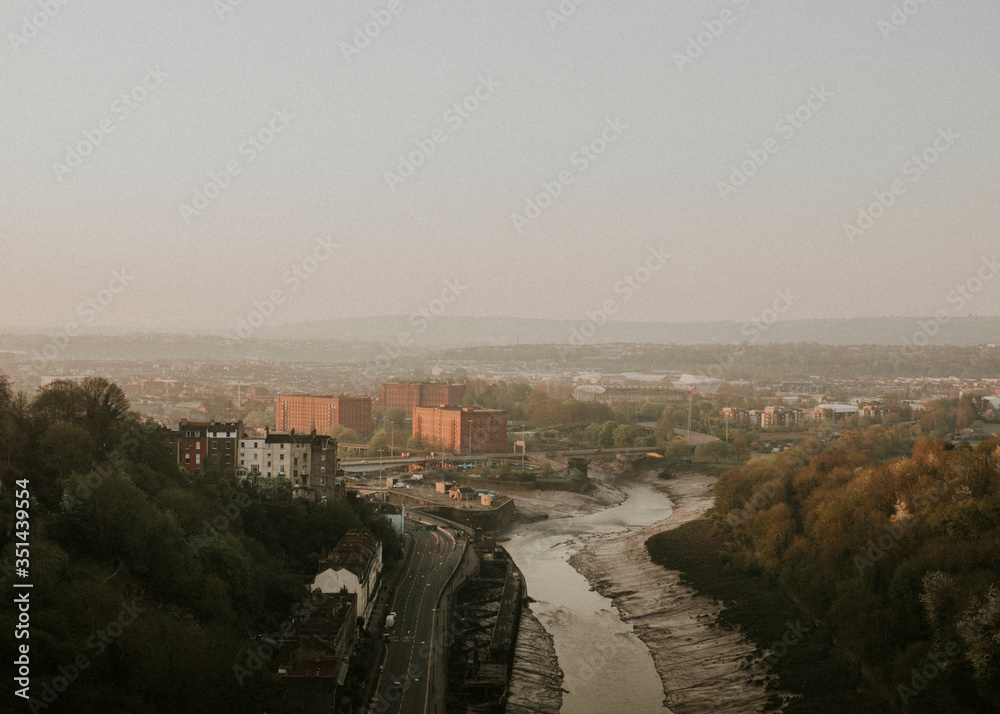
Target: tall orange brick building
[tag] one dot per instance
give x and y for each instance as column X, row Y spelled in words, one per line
column 305, row 413
column 461, row 429
column 407, row 395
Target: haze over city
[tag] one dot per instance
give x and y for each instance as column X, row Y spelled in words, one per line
column 360, row 159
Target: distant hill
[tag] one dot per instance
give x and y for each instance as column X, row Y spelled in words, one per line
column 365, row 339
column 447, row 332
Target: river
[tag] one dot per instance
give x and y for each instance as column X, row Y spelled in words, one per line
column 606, row 667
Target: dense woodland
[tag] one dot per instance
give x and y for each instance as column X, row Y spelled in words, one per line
column 160, row 581
column 888, row 547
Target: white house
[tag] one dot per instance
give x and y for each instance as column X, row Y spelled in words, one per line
column 354, row 565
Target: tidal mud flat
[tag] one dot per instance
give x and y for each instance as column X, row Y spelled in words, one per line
column 703, row 667
column 536, row 679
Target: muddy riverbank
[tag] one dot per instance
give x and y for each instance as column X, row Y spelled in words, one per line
column 625, row 631
column 703, row 667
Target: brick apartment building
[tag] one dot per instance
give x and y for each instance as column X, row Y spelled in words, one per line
column 191, row 445
column 461, row 429
column 196, row 444
column 305, row 413
column 408, row 395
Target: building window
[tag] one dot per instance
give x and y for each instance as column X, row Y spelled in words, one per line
column 187, row 458
column 197, row 459
column 229, row 459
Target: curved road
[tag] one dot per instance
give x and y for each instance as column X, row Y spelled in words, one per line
column 410, row 658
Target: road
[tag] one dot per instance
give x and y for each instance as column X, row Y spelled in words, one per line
column 371, row 464
column 693, row 437
column 409, row 654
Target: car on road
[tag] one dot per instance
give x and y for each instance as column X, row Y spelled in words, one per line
column 397, row 686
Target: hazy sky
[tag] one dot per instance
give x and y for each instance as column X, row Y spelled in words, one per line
column 292, row 123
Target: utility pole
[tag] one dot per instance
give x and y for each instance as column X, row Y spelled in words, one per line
column 690, row 397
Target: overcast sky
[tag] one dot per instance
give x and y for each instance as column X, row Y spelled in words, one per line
column 180, row 162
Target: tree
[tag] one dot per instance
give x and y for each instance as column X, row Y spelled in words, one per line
column 106, row 407
column 678, row 449
column 651, row 411
column 624, row 435
column 344, row 434
column 379, row 444
column 664, row 431
column 61, row 400
column 66, row 448
column 259, row 418
column 606, row 434
column 396, row 416
column 714, row 450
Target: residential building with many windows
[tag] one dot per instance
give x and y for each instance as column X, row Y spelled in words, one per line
column 307, row 460
column 461, row 429
column 305, row 413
